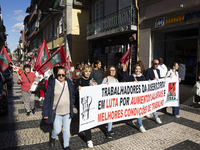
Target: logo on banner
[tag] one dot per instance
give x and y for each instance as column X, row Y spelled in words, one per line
column 171, row 95
column 86, row 102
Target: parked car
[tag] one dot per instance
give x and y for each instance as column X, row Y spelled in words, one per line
column 3, row 100
column 7, row 74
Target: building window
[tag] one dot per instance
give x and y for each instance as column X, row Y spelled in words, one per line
column 99, row 10
column 61, row 25
column 125, row 3
column 51, row 30
column 55, row 28
column 47, row 37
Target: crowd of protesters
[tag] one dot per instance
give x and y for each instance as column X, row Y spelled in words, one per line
column 58, row 85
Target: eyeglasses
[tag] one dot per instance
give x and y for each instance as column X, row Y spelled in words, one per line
column 59, row 75
column 112, row 70
column 156, row 63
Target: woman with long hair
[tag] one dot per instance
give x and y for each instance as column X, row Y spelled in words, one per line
column 110, row 76
column 76, row 73
column 142, row 66
column 85, row 80
column 174, row 73
column 96, row 73
column 59, row 95
column 137, row 76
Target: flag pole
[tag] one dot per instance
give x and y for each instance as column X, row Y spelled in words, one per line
column 130, row 63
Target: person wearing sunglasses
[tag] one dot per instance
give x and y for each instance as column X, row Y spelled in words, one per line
column 110, row 76
column 60, row 91
column 153, row 73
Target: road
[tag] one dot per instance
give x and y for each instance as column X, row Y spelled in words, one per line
column 21, row 132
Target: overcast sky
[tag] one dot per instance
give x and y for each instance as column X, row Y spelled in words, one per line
column 13, row 13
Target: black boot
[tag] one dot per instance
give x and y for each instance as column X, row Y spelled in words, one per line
column 33, row 110
column 67, row 148
column 28, row 113
column 52, row 142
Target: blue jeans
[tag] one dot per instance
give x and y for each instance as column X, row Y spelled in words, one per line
column 60, row 120
column 155, row 114
column 139, row 120
column 110, row 126
column 175, row 110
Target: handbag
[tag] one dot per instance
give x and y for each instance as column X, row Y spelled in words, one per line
column 53, row 113
column 33, row 85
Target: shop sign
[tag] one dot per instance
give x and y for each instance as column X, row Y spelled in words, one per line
column 160, row 22
column 177, row 18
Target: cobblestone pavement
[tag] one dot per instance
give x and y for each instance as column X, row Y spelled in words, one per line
column 17, row 131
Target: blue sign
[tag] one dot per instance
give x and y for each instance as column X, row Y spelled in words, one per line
column 160, row 22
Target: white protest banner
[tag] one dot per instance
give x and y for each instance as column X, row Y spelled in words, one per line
column 121, row 101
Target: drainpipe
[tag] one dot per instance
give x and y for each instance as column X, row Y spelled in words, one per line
column 138, row 33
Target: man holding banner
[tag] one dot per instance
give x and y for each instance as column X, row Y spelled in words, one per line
column 153, row 73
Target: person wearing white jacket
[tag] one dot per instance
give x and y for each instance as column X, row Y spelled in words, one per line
column 162, row 67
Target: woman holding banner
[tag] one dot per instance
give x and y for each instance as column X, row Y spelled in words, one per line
column 173, row 73
column 136, row 77
column 85, row 80
column 110, row 76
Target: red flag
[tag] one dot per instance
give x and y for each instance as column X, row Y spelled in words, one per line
column 4, row 60
column 33, row 55
column 68, row 63
column 125, row 57
column 127, row 62
column 66, row 67
column 58, row 57
column 42, row 56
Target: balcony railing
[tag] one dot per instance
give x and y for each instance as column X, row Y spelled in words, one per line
column 123, row 18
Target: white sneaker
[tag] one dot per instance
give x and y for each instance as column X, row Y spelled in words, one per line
column 90, row 144
column 158, row 120
column 142, row 129
column 148, row 116
column 40, row 98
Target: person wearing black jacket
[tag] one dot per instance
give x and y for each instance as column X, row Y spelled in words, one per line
column 85, row 80
column 136, row 77
column 153, row 73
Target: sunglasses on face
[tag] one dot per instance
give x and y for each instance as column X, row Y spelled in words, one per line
column 59, row 75
column 156, row 63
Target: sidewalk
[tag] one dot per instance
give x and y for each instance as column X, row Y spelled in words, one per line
column 17, row 131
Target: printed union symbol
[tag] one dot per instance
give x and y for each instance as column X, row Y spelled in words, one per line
column 86, row 102
column 160, row 22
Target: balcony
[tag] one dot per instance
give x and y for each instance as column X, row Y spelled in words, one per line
column 59, row 4
column 125, row 20
column 81, row 3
